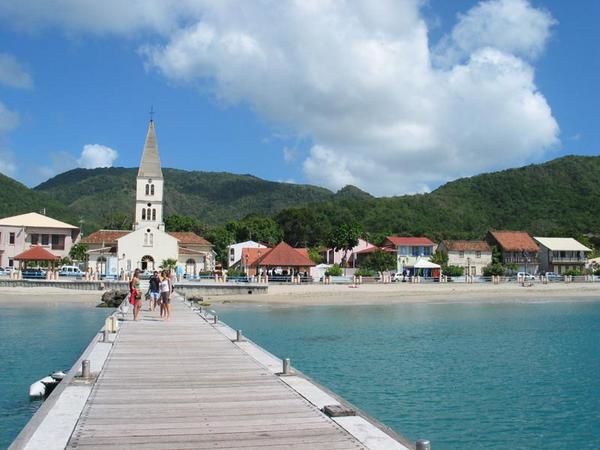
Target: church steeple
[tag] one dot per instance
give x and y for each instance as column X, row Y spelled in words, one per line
column 150, row 164
column 149, row 186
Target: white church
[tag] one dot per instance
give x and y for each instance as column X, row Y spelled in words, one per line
column 113, row 252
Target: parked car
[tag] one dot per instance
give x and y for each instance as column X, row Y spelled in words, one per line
column 553, row 276
column 36, row 273
column 525, row 276
column 4, row 272
column 70, row 271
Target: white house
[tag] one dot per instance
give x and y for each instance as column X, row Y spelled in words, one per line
column 332, row 256
column 149, row 244
column 561, row 254
column 473, row 256
column 410, row 251
column 234, row 251
column 19, row 233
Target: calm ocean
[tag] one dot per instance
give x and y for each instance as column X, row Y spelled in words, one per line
column 516, row 376
column 465, row 376
column 34, row 341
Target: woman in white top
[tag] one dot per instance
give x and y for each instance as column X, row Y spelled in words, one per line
column 165, row 295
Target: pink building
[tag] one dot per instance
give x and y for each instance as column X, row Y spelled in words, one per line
column 331, row 256
column 19, row 233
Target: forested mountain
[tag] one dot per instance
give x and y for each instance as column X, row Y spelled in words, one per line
column 560, row 197
column 107, row 196
column 557, row 198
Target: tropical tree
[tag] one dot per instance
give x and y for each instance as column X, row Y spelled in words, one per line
column 78, row 252
column 221, row 238
column 168, row 264
column 315, row 255
column 440, row 257
column 344, row 237
column 453, row 271
column 257, row 228
column 175, row 222
column 379, row 261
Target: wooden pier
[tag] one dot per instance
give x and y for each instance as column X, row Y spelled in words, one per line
column 187, row 384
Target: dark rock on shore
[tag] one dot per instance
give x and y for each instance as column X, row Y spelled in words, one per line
column 113, row 298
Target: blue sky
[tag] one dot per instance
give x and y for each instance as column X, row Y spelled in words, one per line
column 394, row 98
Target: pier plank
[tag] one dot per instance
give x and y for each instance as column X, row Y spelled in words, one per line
column 182, row 384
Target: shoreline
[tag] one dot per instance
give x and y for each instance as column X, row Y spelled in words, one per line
column 377, row 294
column 330, row 295
column 48, row 296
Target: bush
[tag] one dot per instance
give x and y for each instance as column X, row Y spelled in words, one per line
column 334, row 271
column 364, row 272
column 453, row 271
column 573, row 273
column 493, row 269
column 235, row 273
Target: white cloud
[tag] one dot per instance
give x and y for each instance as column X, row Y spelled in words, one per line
column 9, row 120
column 359, row 78
column 290, row 155
column 12, row 73
column 95, row 155
column 511, row 26
column 8, row 164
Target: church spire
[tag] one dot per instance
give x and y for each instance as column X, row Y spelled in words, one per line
column 150, row 164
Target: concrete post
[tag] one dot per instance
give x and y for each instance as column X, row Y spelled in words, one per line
column 215, row 319
column 85, row 368
column 423, row 444
column 286, row 366
column 239, row 336
column 105, row 335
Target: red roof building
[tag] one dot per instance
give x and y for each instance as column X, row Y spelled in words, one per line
column 36, row 253
column 518, row 249
column 282, row 256
column 402, row 241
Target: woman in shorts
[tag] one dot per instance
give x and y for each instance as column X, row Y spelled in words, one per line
column 165, row 295
column 135, row 294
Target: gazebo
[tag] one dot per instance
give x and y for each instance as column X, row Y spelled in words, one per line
column 36, row 254
column 282, row 257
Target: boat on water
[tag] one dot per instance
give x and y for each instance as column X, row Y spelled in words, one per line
column 44, row 387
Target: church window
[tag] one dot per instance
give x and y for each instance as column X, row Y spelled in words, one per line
column 143, row 213
column 147, row 189
column 148, row 211
column 145, row 238
column 151, row 239
column 153, row 213
column 152, row 189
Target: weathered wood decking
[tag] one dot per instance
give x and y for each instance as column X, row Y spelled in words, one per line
column 182, row 384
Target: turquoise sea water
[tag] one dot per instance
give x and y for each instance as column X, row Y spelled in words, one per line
column 34, row 341
column 465, row 376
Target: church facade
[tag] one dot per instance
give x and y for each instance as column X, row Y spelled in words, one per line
column 149, row 244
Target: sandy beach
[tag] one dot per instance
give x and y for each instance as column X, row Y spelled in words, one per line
column 46, row 296
column 318, row 294
column 375, row 294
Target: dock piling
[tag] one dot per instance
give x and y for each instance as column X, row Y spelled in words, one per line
column 423, row 444
column 286, row 366
column 85, row 368
column 215, row 319
column 105, row 335
column 239, row 336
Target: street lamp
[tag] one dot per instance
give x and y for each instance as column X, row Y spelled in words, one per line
column 468, row 266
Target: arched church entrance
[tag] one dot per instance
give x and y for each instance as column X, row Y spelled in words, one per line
column 147, row 263
column 190, row 266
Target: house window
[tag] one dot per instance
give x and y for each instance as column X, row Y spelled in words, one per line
column 11, row 238
column 461, row 254
column 477, row 254
column 143, row 213
column 403, row 251
column 11, row 262
column 35, row 239
column 45, row 239
column 427, row 251
column 58, row 242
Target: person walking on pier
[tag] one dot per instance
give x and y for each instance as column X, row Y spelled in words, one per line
column 135, row 294
column 154, row 290
column 165, row 295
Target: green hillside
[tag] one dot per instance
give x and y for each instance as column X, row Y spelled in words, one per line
column 16, row 198
column 99, row 195
column 560, row 197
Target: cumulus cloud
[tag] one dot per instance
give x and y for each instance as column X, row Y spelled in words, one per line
column 96, row 155
column 12, row 73
column 386, row 109
column 8, row 164
column 9, row 120
column 511, row 26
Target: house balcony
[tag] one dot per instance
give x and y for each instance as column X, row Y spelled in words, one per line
column 520, row 260
column 568, row 260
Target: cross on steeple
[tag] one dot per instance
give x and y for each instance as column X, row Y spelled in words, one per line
column 151, row 113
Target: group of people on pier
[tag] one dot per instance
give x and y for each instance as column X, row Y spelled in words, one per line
column 159, row 293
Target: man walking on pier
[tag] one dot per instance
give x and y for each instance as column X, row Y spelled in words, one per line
column 154, row 290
